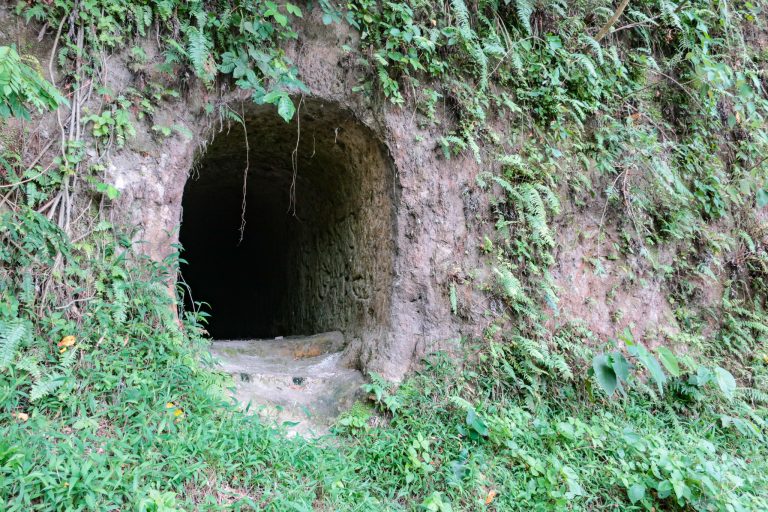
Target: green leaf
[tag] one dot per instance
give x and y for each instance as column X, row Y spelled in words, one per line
column 292, row 9
column 636, row 493
column 653, row 366
column 702, row 377
column 281, row 19
column 604, row 374
column 628, row 340
column 110, row 191
column 664, row 489
column 286, row 108
column 620, row 366
column 454, row 299
column 762, row 198
column 725, row 381
column 476, row 423
column 669, row 360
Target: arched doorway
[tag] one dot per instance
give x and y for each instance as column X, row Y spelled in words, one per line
column 317, row 249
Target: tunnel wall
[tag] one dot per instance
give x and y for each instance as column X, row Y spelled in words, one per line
column 344, row 261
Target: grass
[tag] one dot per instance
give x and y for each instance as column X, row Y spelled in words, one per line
column 144, row 425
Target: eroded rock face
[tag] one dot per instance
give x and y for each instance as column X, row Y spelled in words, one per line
column 383, row 223
column 379, row 219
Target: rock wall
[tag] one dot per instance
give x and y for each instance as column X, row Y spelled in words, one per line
column 392, row 259
column 344, row 257
column 383, row 226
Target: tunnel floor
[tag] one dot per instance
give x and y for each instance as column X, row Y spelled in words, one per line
column 317, row 249
column 300, row 383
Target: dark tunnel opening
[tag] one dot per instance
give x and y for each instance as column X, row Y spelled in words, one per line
column 317, row 249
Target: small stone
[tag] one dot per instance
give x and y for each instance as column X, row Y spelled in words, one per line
column 298, row 381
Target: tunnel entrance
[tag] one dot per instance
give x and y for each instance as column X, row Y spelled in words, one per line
column 318, row 246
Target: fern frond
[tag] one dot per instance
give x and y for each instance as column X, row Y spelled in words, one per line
column 45, row 387
column 594, row 45
column 31, row 365
column 586, row 63
column 549, row 197
column 559, row 7
column 507, row 186
column 68, row 359
column 461, row 12
column 669, row 14
column 559, row 364
column 198, row 50
column 11, row 335
column 754, row 395
column 461, row 403
column 120, row 302
column 462, row 18
column 510, row 285
column 524, row 9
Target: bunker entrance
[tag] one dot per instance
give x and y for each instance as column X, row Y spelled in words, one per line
column 317, row 248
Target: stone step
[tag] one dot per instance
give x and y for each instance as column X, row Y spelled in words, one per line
column 298, row 381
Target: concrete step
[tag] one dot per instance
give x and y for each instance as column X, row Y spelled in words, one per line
column 297, row 381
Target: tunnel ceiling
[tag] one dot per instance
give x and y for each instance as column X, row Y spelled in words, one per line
column 317, row 252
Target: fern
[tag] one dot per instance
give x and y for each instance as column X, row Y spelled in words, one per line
column 530, row 349
column 11, row 335
column 226, row 113
column 68, row 359
column 559, row 7
column 31, row 365
column 524, row 11
column 462, row 18
column 504, row 184
column 174, row 52
column 143, row 16
column 509, row 284
column 754, row 395
column 198, row 51
column 452, row 145
column 558, row 363
column 594, row 45
column 529, row 201
column 461, row 403
column 471, row 40
column 120, row 302
column 550, row 198
column 586, row 63
column 669, row 14
column 482, row 61
column 45, row 387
